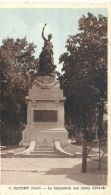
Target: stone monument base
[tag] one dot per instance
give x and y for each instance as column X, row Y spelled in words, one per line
column 45, row 113
column 45, row 137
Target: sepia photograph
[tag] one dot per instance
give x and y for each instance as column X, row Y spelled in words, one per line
column 54, row 98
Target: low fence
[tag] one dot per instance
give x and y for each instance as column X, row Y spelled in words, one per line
column 95, row 156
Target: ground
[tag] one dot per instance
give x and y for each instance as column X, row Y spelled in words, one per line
column 47, row 171
column 51, row 171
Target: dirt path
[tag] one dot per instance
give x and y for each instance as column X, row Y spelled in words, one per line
column 47, row 171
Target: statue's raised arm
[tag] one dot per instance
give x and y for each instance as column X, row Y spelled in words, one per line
column 43, row 33
column 49, row 36
column 46, row 61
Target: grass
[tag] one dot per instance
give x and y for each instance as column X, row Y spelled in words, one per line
column 76, row 147
column 14, row 148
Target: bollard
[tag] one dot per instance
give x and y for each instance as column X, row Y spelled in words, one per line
column 77, row 155
column 99, row 158
column 10, row 154
column 84, row 157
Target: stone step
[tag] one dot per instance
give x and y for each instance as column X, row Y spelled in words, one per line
column 43, row 146
column 42, row 156
column 44, row 149
column 43, row 152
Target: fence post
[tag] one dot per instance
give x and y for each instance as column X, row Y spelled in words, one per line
column 84, row 157
column 99, row 158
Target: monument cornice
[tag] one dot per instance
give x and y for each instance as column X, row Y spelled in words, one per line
column 45, row 99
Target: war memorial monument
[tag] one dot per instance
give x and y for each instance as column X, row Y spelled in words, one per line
column 45, row 111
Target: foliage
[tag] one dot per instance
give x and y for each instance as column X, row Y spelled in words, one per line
column 84, row 78
column 90, row 135
column 11, row 136
column 18, row 67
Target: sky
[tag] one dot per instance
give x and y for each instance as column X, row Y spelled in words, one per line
column 61, row 22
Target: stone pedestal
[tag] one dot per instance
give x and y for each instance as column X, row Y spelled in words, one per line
column 45, row 112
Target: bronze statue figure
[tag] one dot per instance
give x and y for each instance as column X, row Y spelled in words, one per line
column 47, row 43
column 46, row 62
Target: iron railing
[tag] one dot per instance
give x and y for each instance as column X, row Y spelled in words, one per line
column 95, row 156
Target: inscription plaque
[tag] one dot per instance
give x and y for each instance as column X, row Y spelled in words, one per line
column 45, row 115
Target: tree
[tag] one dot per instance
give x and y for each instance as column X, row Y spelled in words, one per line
column 84, row 78
column 18, row 67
